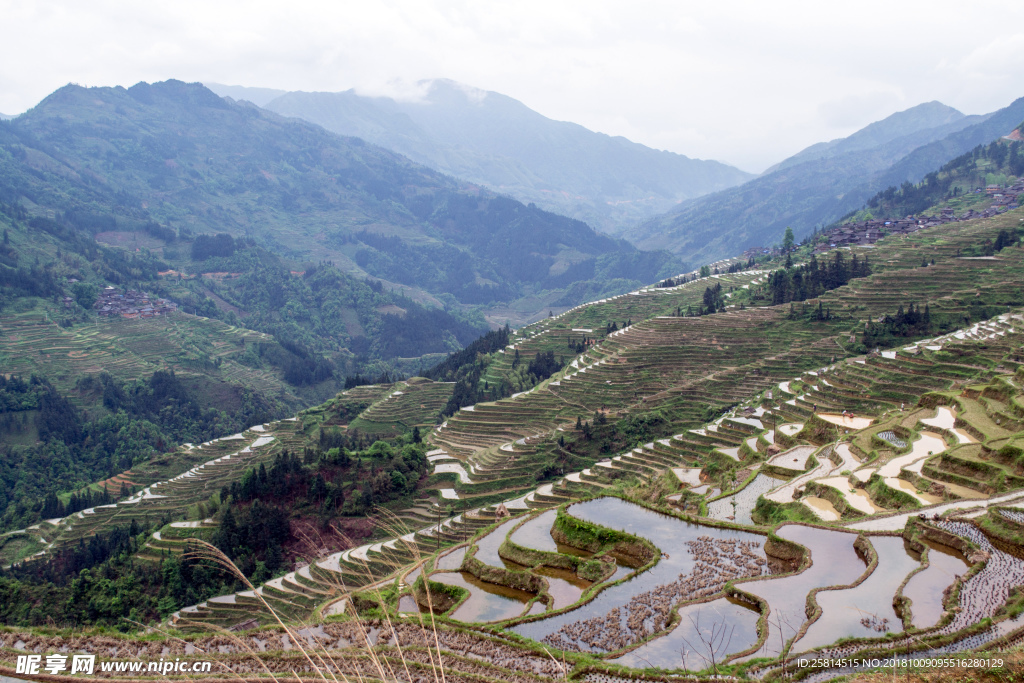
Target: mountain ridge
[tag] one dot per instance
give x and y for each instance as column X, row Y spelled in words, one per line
column 813, row 193
column 185, row 157
column 489, row 138
column 878, row 133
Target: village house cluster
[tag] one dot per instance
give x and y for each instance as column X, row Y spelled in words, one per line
column 131, row 304
column 869, row 232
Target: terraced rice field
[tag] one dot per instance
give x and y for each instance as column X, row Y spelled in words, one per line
column 32, row 342
column 414, row 403
column 886, row 530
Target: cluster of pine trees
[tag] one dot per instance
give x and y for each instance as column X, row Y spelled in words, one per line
column 814, row 278
column 466, row 368
column 893, row 329
column 254, row 541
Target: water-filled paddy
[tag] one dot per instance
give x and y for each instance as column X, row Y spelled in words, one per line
column 450, row 561
column 486, row 601
column 821, row 507
column 487, row 547
column 688, row 475
column 536, row 533
column 793, row 459
column 847, row 421
column 745, row 500
column 925, row 588
column 564, row 586
column 834, row 562
column 864, row 611
column 682, row 647
column 929, row 443
column 945, row 418
column 856, row 498
column 911, row 490
column 700, row 559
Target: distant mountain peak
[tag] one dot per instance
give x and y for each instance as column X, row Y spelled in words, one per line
column 921, row 117
column 445, row 86
column 492, row 139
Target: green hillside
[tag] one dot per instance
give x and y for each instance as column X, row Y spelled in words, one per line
column 261, row 238
column 958, row 185
column 176, row 154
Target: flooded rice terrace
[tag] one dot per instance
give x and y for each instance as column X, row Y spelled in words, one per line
column 486, row 601
column 925, row 588
column 864, row 611
column 834, row 562
column 689, row 645
column 698, row 561
column 739, row 506
column 536, row 534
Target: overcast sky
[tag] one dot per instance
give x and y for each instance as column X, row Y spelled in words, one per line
column 746, row 83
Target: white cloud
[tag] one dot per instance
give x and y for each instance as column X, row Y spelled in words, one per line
column 745, row 82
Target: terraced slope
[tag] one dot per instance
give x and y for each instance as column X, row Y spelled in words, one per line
column 841, row 479
column 844, row 443
column 414, row 403
column 680, row 366
column 198, row 348
column 967, row 380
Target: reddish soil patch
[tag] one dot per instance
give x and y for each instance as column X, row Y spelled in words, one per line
column 314, row 541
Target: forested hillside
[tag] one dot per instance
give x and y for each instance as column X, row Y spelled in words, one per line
column 957, row 184
column 193, row 163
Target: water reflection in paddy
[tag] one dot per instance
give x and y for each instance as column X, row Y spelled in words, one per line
column 684, row 648
column 451, row 561
column 745, row 500
column 486, row 601
column 667, row 533
column 862, row 610
column 833, row 562
column 564, row 586
column 407, row 603
column 536, row 533
column 487, row 547
column 925, row 588
column 411, row 577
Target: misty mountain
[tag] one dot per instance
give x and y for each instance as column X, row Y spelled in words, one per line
column 491, row 139
column 930, row 157
column 178, row 155
column 923, row 117
column 822, row 183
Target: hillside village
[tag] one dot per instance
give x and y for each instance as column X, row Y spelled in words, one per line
column 865, row 233
column 870, row 231
column 130, row 304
